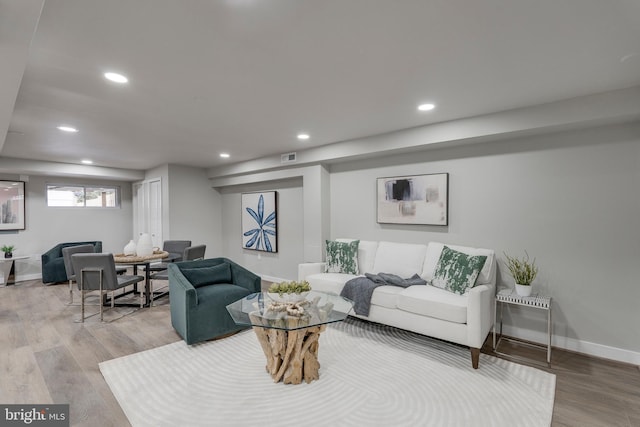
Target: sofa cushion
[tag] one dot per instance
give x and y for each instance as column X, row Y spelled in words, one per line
column 402, row 259
column 342, row 257
column 386, row 296
column 434, row 250
column 329, row 282
column 366, row 254
column 434, row 302
column 203, row 276
column 457, row 272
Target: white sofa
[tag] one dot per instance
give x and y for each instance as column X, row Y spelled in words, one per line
column 428, row 310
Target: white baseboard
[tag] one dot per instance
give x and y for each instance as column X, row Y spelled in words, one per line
column 579, row 346
column 24, row 277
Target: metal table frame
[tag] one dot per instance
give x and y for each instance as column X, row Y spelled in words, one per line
column 8, row 269
column 535, row 301
column 147, row 264
column 147, row 295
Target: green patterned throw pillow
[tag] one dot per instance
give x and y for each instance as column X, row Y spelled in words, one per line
column 342, row 257
column 456, row 271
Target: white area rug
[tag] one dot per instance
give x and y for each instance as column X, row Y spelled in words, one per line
column 370, row 375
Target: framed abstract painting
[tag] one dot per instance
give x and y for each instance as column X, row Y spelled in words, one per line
column 260, row 221
column 12, row 205
column 416, row 199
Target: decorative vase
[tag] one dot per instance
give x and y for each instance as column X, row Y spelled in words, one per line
column 8, row 254
column 523, row 290
column 145, row 246
column 130, row 248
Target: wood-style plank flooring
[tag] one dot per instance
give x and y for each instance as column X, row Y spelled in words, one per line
column 46, row 357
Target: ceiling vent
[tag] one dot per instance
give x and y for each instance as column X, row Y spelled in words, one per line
column 288, row 158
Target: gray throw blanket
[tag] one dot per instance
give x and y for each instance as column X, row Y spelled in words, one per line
column 360, row 289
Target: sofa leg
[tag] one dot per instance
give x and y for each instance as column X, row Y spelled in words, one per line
column 475, row 357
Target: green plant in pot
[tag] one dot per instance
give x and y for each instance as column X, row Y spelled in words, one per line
column 289, row 291
column 8, row 250
column 523, row 270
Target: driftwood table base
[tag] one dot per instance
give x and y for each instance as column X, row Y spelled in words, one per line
column 289, row 330
column 292, row 355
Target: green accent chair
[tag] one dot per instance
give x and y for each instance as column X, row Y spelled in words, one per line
column 53, row 270
column 199, row 292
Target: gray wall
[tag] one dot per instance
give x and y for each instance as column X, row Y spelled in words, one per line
column 190, row 207
column 193, row 209
column 48, row 226
column 570, row 199
column 284, row 263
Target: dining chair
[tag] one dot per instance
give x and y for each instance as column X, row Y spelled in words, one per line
column 68, row 265
column 191, row 253
column 97, row 272
column 176, row 249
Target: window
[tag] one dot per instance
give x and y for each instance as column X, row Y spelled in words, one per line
column 83, row 196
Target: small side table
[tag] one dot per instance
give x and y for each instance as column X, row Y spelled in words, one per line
column 7, row 266
column 508, row 296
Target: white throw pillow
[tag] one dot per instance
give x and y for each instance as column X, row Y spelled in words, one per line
column 402, row 259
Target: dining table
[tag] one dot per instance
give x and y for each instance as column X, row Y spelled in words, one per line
column 136, row 262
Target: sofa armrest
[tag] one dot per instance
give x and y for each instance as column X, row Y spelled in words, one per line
column 309, row 268
column 245, row 278
column 182, row 292
column 480, row 312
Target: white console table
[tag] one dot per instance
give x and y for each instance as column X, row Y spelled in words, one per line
column 535, row 301
column 8, row 268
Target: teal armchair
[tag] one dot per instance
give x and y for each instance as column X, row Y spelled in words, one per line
column 199, row 292
column 53, row 270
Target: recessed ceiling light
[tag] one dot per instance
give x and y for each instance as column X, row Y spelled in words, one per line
column 67, row 129
column 303, row 136
column 87, row 162
column 115, row 77
column 225, row 155
column 426, row 107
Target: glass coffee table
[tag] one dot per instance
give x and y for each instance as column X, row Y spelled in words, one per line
column 288, row 329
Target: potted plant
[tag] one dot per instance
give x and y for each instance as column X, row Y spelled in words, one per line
column 523, row 271
column 8, row 250
column 289, row 291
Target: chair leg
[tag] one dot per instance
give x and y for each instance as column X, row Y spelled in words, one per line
column 475, row 357
column 70, row 292
column 101, row 307
column 82, row 304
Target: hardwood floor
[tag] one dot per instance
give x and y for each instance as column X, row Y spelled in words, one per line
column 46, row 357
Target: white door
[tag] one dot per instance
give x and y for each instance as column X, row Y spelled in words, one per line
column 155, row 212
column 147, row 210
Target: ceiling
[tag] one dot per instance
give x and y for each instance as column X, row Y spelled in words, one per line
column 246, row 76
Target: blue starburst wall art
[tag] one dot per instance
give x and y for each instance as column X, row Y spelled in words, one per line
column 259, row 221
